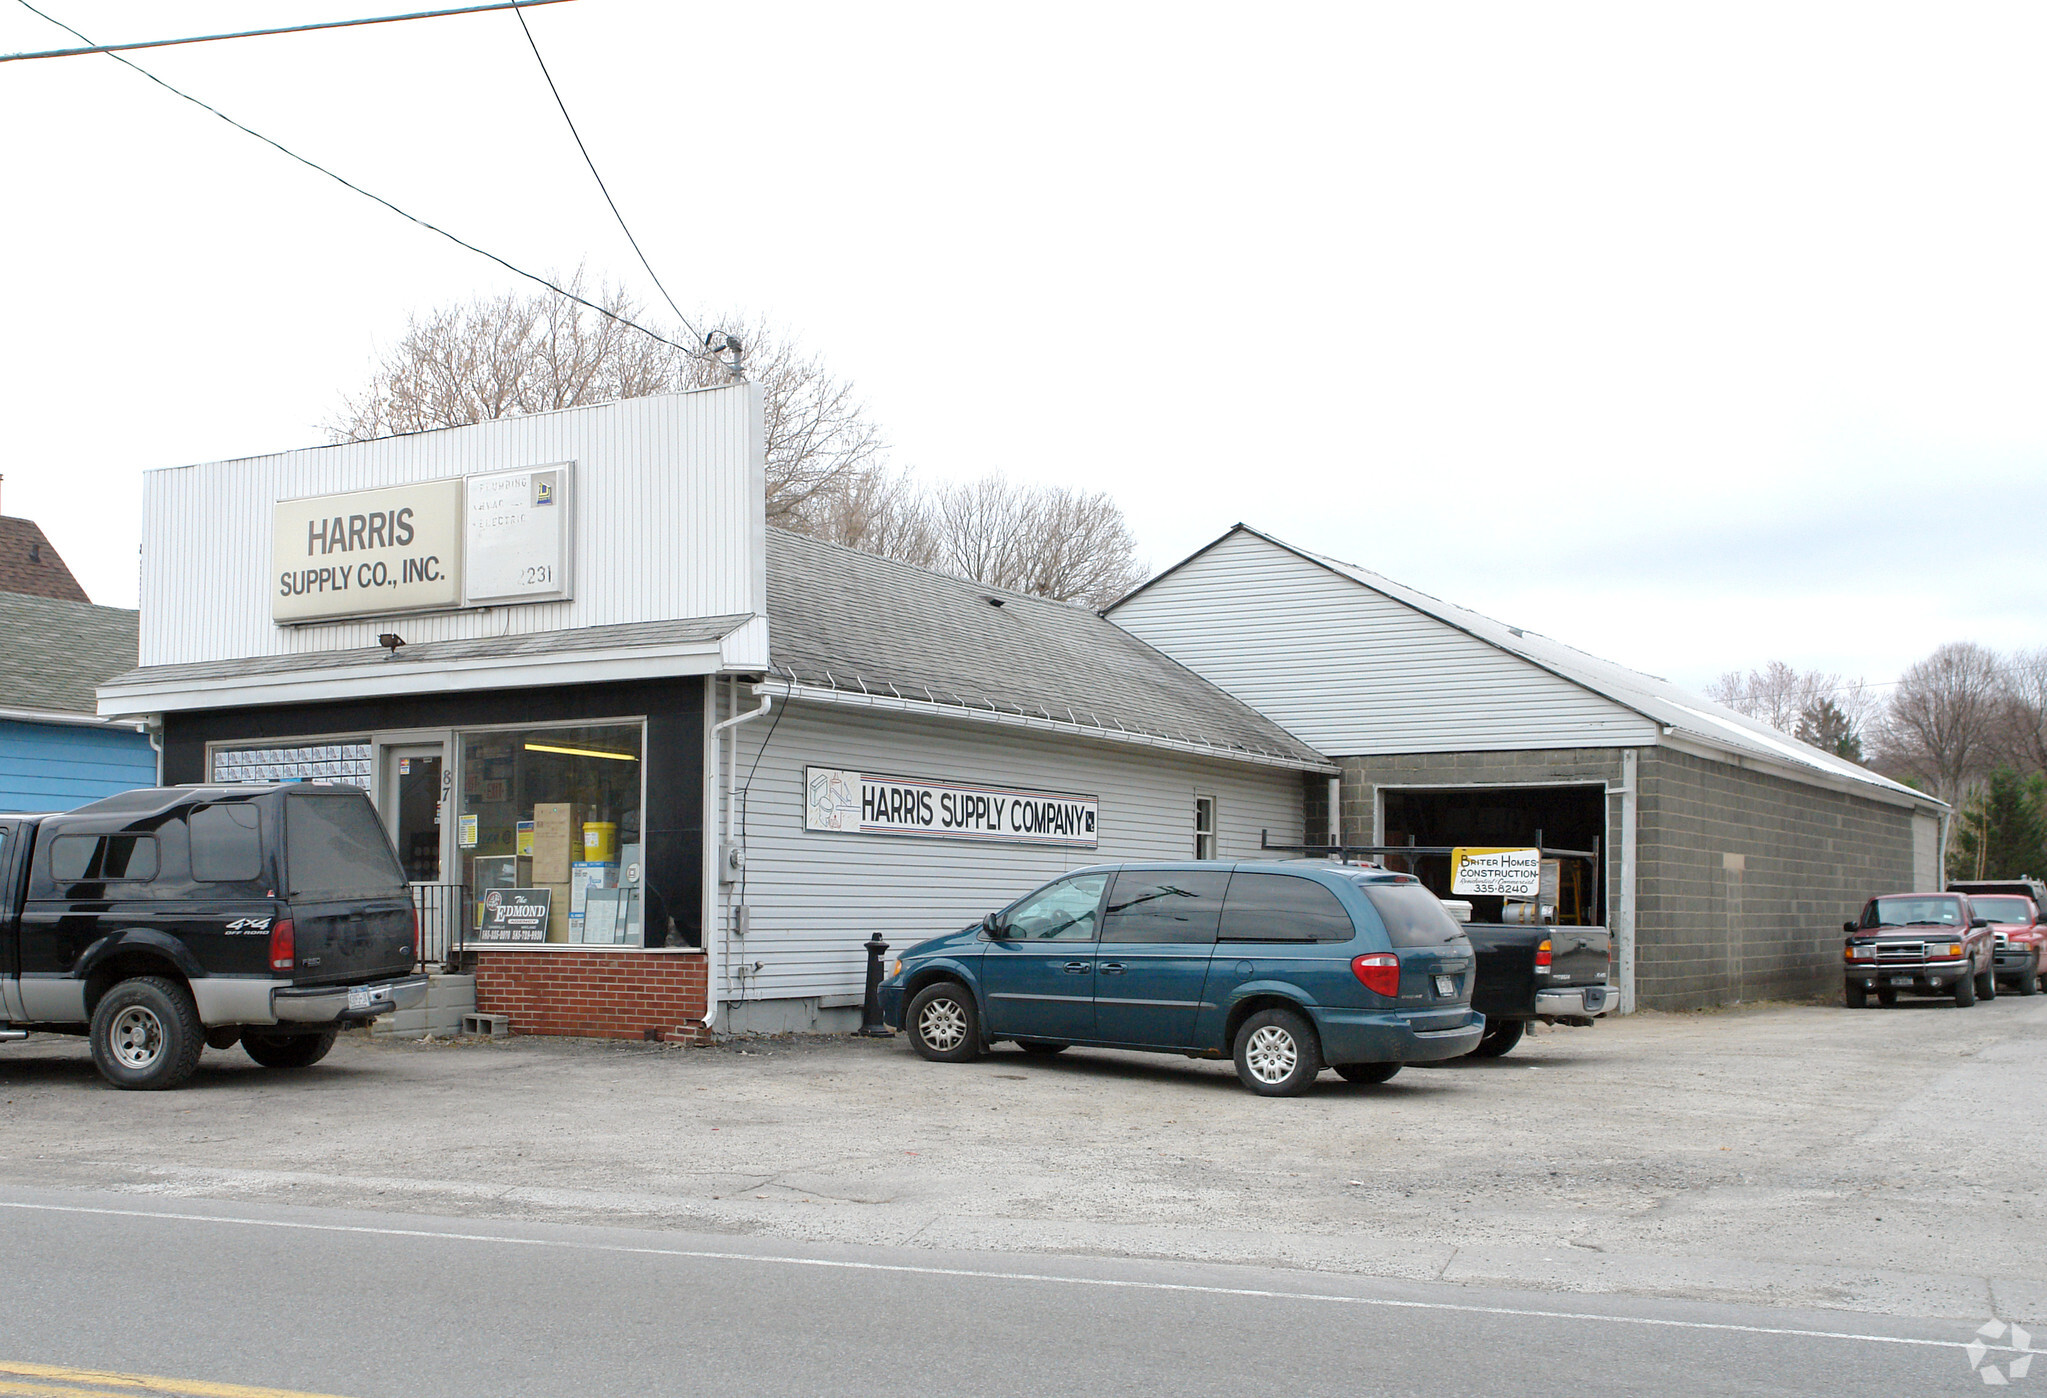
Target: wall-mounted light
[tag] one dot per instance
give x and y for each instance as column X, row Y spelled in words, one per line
column 584, row 752
column 390, row 641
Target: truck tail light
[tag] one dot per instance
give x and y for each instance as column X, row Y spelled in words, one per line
column 1380, row 973
column 415, row 934
column 1542, row 955
column 283, row 950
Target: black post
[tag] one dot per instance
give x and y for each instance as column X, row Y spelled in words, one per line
column 870, row 1009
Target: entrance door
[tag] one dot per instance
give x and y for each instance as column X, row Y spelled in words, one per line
column 416, row 780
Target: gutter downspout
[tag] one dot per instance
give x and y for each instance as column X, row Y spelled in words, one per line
column 1624, row 937
column 153, row 730
column 1336, row 810
column 713, row 943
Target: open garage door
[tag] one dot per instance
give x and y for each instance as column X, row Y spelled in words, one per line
column 1555, row 817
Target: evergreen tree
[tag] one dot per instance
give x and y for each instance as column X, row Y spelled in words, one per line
column 1826, row 725
column 2002, row 834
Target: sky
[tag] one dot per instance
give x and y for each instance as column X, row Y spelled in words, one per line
column 1693, row 336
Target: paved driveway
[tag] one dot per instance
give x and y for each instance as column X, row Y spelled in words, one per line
column 1878, row 1160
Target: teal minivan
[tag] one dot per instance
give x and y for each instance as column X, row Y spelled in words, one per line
column 1287, row 967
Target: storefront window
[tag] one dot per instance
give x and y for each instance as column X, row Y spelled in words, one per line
column 554, row 811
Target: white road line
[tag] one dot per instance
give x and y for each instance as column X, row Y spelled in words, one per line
column 835, row 1264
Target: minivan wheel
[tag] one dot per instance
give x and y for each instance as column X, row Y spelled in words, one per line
column 146, row 1034
column 1500, row 1037
column 288, row 1050
column 1277, row 1053
column 1366, row 1072
column 942, row 1023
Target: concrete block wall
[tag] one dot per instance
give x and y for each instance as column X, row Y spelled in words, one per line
column 448, row 998
column 594, row 993
column 1744, row 879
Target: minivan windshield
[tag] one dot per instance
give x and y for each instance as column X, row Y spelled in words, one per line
column 334, row 844
column 1414, row 917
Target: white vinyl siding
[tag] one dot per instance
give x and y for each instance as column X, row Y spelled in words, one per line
column 815, row 896
column 669, row 524
column 1350, row 671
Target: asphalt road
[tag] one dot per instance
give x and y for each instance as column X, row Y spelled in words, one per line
column 224, row 1300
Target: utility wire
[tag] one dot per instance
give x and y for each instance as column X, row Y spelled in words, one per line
column 261, row 33
column 694, row 352
column 600, row 179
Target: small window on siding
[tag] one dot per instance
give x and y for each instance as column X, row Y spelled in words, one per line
column 1204, row 827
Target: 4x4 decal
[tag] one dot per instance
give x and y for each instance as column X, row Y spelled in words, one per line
column 248, row 924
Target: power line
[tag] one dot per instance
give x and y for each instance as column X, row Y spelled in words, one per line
column 600, row 179
column 695, row 352
column 262, row 33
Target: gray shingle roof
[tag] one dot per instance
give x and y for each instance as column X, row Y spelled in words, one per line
column 53, row 651
column 851, row 621
column 622, row 636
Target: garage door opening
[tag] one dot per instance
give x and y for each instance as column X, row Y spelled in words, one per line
column 1554, row 817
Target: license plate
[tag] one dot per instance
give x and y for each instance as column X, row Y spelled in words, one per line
column 1901, row 980
column 359, row 997
column 1446, row 985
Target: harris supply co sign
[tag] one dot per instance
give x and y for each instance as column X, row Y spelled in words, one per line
column 467, row 541
column 860, row 803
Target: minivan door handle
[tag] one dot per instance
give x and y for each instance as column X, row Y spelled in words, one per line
column 1109, row 968
column 1076, row 968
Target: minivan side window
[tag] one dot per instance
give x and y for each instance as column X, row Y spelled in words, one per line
column 1282, row 908
column 1164, row 906
column 1414, row 917
column 1065, row 912
column 103, row 858
column 227, row 846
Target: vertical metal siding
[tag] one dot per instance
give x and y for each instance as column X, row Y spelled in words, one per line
column 668, row 525
column 816, row 896
column 1349, row 670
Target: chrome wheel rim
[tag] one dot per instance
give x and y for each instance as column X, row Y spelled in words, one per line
column 942, row 1024
column 136, row 1037
column 1271, row 1054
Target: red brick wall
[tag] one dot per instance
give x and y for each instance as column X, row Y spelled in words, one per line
column 598, row 994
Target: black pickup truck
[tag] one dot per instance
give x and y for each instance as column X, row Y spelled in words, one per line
column 161, row 921
column 1554, row 974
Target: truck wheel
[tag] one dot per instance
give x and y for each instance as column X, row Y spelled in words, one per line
column 1887, row 997
column 942, row 1023
column 1986, row 984
column 1366, row 1072
column 1965, row 992
column 146, row 1034
column 288, row 1050
column 1499, row 1038
column 1856, row 996
column 2029, row 980
column 1277, row 1053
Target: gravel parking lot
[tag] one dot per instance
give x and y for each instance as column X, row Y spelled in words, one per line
column 1795, row 1154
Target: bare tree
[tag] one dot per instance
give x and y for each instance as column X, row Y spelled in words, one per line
column 876, row 510
column 1068, row 545
column 2023, row 735
column 1774, row 694
column 1941, row 724
column 1810, row 705
column 507, row 355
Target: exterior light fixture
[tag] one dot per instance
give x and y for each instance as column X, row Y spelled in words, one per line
column 390, row 641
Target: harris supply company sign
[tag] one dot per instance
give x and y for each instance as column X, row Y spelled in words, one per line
column 472, row 541
column 860, row 803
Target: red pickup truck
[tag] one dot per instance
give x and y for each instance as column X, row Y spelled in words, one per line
column 2018, row 921
column 1919, row 944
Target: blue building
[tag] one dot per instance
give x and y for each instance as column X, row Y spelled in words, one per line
column 55, row 649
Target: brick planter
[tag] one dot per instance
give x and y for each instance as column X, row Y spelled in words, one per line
column 595, row 993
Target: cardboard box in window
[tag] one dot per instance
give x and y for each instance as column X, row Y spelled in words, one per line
column 558, row 928
column 557, row 840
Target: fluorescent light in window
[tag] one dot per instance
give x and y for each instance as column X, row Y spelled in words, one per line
column 584, row 752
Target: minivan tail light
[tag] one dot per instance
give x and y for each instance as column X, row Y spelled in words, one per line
column 1380, row 973
column 283, row 950
column 1542, row 954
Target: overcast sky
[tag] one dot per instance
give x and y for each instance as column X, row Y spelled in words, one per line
column 1695, row 336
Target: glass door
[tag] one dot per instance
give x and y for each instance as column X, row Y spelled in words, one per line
column 418, row 782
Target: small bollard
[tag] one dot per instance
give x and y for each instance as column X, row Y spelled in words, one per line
column 870, row 1009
